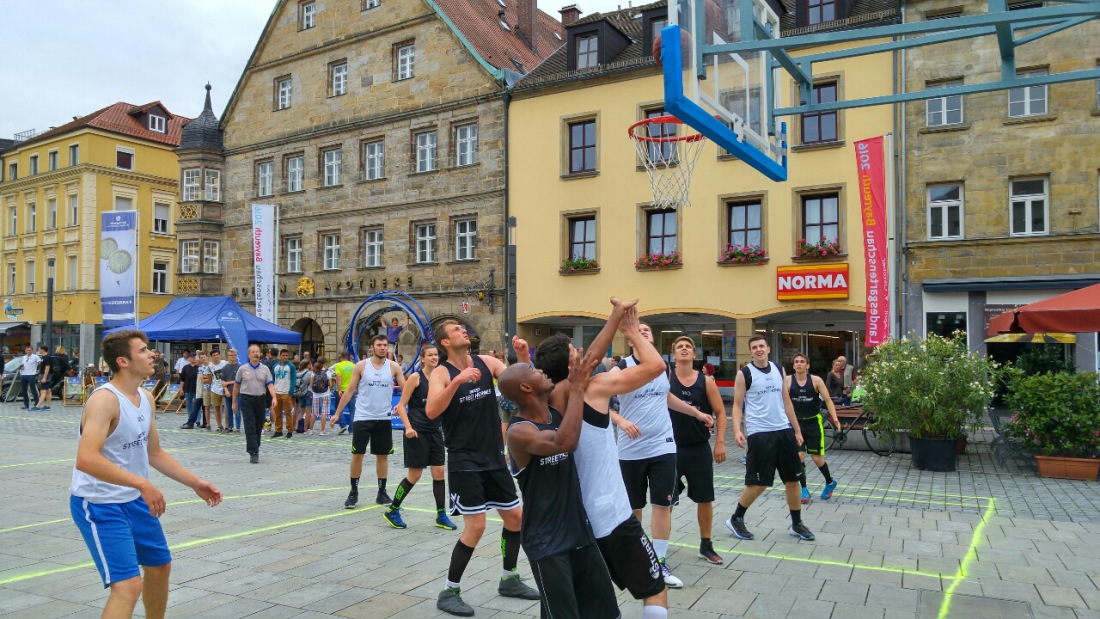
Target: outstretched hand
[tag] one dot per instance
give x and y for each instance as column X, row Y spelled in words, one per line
column 630, row 320
column 625, row 305
column 580, row 368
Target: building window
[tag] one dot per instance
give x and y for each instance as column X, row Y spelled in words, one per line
column 160, row 218
column 189, row 257
column 372, row 248
column 213, row 186
column 587, row 51
column 308, row 14
column 405, row 60
column 944, row 324
column 74, row 210
column 943, row 111
column 51, row 214
column 32, row 217
column 746, row 224
column 210, row 257
column 294, row 255
column 820, row 11
column 33, row 168
column 332, row 167
column 123, row 204
column 160, row 277
column 466, row 145
column 582, row 146
column 74, row 273
column 11, row 278
column 945, row 208
column 74, row 154
column 425, row 243
column 156, row 123
column 374, row 160
column 338, row 79
column 1029, row 100
column 1028, row 204
column 13, row 171
column 655, row 26
column 465, row 239
column 371, row 4
column 282, row 93
column 425, row 151
column 265, row 178
column 51, row 159
column 294, row 172
column 13, row 219
column 660, row 232
column 191, row 185
column 661, row 152
column 821, row 218
column 821, row 127
column 30, row 276
column 124, row 158
column 582, row 238
column 332, row 252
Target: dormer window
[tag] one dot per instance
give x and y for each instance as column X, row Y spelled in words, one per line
column 820, row 11
column 157, row 123
column 587, row 51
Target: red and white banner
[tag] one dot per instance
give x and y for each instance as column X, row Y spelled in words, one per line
column 263, row 256
column 872, row 203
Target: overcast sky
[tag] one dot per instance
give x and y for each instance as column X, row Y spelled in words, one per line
column 65, row 58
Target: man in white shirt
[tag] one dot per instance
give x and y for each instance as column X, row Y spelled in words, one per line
column 217, row 390
column 28, row 377
column 183, row 361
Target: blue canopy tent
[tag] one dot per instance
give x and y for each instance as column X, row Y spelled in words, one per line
column 213, row 318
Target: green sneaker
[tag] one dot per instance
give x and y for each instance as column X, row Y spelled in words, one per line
column 449, row 601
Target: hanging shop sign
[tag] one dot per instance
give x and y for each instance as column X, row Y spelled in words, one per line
column 816, row 281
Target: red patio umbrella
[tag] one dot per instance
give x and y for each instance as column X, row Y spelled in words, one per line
column 1072, row 312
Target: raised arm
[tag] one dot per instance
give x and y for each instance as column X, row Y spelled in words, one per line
column 650, row 364
column 526, row 441
column 607, row 333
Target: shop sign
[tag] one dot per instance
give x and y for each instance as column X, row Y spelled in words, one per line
column 818, row 281
column 11, row 311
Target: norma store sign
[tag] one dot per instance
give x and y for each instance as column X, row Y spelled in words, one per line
column 818, row 281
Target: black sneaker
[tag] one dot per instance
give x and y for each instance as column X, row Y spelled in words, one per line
column 383, row 498
column 353, row 498
column 706, row 551
column 288, row 435
column 737, row 527
column 801, row 532
column 254, row 459
column 277, row 435
column 344, row 430
column 449, row 601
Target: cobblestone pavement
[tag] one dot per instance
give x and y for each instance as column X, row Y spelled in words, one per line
column 893, row 542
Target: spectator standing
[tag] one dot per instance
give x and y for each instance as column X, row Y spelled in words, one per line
column 285, row 375
column 304, row 397
column 183, row 361
column 320, row 386
column 834, row 383
column 232, row 395
column 45, row 384
column 205, row 379
column 28, row 378
column 160, row 371
column 217, row 387
column 189, row 379
column 342, row 372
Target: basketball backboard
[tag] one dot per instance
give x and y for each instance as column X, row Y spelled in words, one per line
column 728, row 97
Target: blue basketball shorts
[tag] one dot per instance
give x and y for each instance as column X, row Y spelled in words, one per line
column 120, row 536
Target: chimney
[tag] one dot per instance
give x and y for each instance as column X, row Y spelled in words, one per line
column 569, row 14
column 528, row 16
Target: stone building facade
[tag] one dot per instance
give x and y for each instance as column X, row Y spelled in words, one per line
column 377, row 128
column 1000, row 189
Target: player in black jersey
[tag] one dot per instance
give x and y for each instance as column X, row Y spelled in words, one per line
column 462, row 395
column 808, row 393
column 693, row 453
column 557, row 538
column 423, row 444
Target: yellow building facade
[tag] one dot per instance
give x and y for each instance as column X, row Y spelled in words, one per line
column 562, row 212
column 54, row 188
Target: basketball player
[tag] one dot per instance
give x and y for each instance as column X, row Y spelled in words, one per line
column 808, row 393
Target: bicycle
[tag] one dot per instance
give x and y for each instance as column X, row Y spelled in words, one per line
column 878, row 441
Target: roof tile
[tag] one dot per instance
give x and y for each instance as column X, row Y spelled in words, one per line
column 120, row 118
column 478, row 21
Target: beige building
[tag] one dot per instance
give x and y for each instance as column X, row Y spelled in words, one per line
column 377, row 129
column 1000, row 189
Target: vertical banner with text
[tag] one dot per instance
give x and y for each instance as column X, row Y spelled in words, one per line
column 263, row 256
column 872, row 206
column 117, row 248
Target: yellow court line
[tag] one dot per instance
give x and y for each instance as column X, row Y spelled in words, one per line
column 844, row 495
column 8, row 466
column 187, row 502
column 928, row 492
column 193, row 543
column 971, row 553
column 171, row 450
column 858, row 566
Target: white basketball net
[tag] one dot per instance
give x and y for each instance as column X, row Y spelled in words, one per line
column 669, row 160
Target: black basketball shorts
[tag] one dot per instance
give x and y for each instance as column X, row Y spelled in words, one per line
column 770, row 452
column 425, row 450
column 813, row 435
column 575, row 584
column 476, row 492
column 631, row 560
column 695, row 466
column 658, row 474
column 379, row 434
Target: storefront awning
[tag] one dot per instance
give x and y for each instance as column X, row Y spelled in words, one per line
column 8, row 326
column 1033, row 338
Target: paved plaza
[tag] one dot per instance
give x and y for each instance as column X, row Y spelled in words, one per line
column 893, row 542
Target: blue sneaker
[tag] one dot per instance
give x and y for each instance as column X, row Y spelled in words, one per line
column 443, row 522
column 827, row 492
column 33, row 409
column 393, row 516
column 805, row 496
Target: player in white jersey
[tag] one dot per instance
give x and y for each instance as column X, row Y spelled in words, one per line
column 774, row 438
column 112, row 501
column 372, row 382
column 627, row 550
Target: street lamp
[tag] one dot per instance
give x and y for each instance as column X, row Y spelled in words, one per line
column 50, row 267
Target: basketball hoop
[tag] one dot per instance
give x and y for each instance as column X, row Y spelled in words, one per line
column 669, row 158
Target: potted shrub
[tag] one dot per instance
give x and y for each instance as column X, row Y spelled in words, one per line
column 659, row 261
column 823, row 248
column 743, row 254
column 578, row 263
column 932, row 388
column 1057, row 417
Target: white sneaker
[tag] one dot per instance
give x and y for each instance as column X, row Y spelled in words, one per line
column 323, row 434
column 671, row 581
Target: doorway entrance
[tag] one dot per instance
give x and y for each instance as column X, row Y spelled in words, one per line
column 821, row 335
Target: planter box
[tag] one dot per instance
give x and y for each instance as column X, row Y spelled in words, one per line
column 934, row 454
column 1055, row 467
